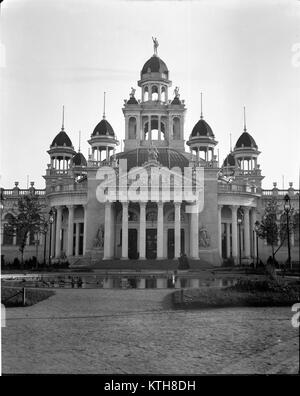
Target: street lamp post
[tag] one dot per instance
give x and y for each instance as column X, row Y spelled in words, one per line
column 287, row 209
column 256, row 228
column 51, row 220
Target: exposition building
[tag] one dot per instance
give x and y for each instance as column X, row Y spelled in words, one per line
column 85, row 230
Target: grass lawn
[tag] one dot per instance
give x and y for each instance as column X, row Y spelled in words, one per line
column 13, row 297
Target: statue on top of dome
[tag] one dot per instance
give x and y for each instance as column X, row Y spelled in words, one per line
column 132, row 93
column 155, row 43
column 176, row 92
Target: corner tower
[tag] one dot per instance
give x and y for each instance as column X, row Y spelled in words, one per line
column 154, row 118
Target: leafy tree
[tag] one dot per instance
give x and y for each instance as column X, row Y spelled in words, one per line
column 27, row 219
column 269, row 230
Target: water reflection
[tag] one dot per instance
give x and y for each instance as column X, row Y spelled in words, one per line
column 119, row 282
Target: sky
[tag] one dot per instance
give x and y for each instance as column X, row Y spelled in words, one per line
column 68, row 52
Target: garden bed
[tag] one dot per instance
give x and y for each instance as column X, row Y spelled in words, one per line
column 246, row 293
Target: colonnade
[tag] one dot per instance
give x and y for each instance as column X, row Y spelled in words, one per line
column 233, row 234
column 109, row 230
column 73, row 233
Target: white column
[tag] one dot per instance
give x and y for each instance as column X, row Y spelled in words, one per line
column 53, row 239
column 253, row 220
column 234, row 209
column 149, row 128
column 194, row 231
column 246, row 231
column 160, row 230
column 125, row 230
column 70, row 231
column 142, row 239
column 228, row 239
column 58, row 232
column 107, row 231
column 158, row 127
column 84, row 228
column 177, row 230
column 77, row 239
column 220, row 229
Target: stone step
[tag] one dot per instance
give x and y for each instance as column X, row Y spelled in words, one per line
column 117, row 264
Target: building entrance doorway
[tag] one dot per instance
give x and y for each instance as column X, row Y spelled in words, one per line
column 171, row 242
column 132, row 243
column 151, row 243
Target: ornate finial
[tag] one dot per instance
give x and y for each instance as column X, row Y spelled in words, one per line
column 155, row 44
column 245, row 128
column 63, row 119
column 104, row 106
column 79, row 141
column 201, row 115
column 132, row 92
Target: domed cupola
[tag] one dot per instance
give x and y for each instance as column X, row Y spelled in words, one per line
column 202, row 139
column 61, row 150
column 246, row 150
column 155, row 65
column 229, row 161
column 202, row 129
column 79, row 160
column 154, row 78
column 229, row 165
column 61, row 140
column 245, row 141
column 103, row 138
column 103, row 128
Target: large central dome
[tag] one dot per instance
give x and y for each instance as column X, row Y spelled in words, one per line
column 155, row 65
column 166, row 157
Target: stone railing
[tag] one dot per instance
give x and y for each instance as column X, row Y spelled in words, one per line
column 68, row 188
column 276, row 192
column 15, row 192
column 98, row 164
column 236, row 189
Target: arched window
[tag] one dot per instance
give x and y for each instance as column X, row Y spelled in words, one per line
column 132, row 128
column 146, row 94
column 163, row 94
column 176, row 128
column 154, row 93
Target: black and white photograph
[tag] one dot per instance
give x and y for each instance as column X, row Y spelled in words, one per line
column 150, row 180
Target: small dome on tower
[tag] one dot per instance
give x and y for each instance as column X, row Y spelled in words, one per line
column 229, row 160
column 155, row 65
column 79, row 159
column 132, row 100
column 245, row 140
column 103, row 128
column 176, row 101
column 61, row 140
column 202, row 129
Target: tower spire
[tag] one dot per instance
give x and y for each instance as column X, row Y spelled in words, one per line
column 201, row 115
column 245, row 128
column 63, row 119
column 104, row 106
